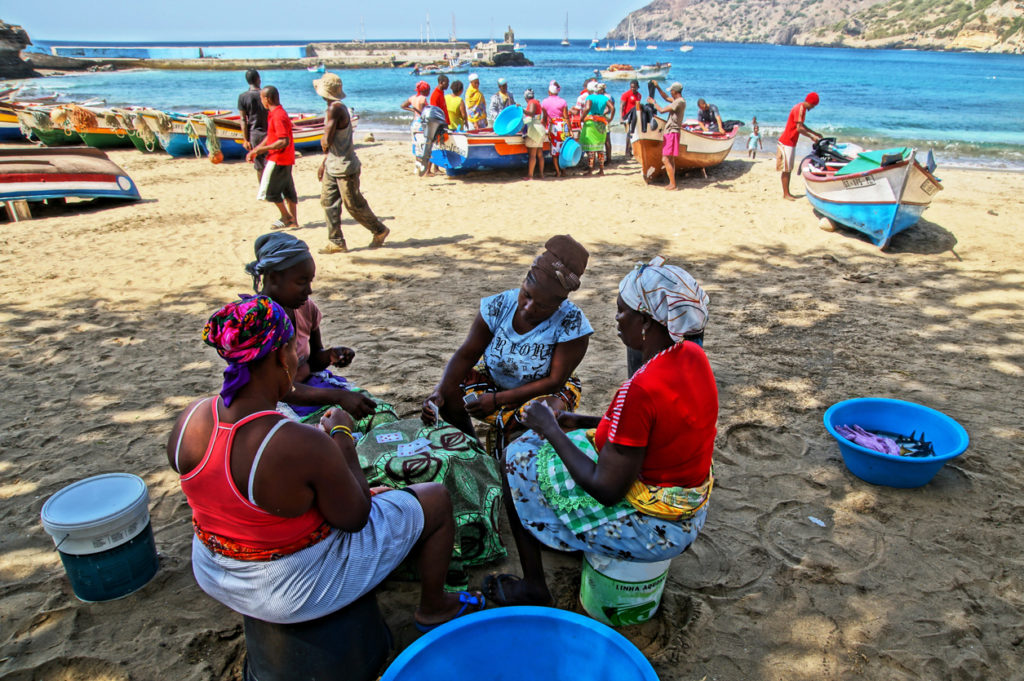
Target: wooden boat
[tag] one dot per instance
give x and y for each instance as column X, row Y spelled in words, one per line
column 10, row 128
column 697, row 149
column 41, row 128
column 463, row 152
column 36, row 174
column 138, row 132
column 879, row 193
column 184, row 135
column 657, row 71
column 98, row 128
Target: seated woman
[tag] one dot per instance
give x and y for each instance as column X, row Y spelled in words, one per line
column 531, row 340
column 284, row 271
column 286, row 528
column 638, row 488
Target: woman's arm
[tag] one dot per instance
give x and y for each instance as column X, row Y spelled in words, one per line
column 610, row 478
column 464, row 359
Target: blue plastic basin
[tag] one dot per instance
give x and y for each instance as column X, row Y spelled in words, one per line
column 521, row 643
column 948, row 438
column 571, row 153
column 509, row 121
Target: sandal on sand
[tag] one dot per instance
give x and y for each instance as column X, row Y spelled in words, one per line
column 467, row 599
column 277, row 224
column 495, row 586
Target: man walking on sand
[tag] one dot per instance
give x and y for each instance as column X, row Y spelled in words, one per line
column 785, row 153
column 676, row 109
column 254, row 118
column 339, row 171
column 277, row 184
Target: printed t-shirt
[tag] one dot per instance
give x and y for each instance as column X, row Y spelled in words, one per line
column 677, row 108
column 670, row 406
column 553, row 106
column 255, row 115
column 437, row 99
column 278, row 126
column 629, row 100
column 514, row 359
column 790, row 134
column 454, row 104
column 307, row 318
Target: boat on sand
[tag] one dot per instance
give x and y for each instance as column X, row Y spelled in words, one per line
column 697, row 149
column 38, row 174
column 462, row 152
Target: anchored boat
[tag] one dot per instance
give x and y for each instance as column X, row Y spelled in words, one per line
column 657, row 71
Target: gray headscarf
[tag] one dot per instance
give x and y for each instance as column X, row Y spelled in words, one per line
column 669, row 295
column 276, row 252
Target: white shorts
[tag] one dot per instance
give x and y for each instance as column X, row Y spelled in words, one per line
column 784, row 158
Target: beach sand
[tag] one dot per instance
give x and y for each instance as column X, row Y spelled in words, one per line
column 102, row 311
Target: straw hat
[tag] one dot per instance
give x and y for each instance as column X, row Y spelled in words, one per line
column 329, row 87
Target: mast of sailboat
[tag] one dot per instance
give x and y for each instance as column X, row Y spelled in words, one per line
column 362, row 29
column 452, row 38
column 565, row 38
column 428, row 28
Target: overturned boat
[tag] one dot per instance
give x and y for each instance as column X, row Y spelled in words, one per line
column 38, row 174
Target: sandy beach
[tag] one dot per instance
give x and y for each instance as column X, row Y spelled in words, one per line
column 101, row 317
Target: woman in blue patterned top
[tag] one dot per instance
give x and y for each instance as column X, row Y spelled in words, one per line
column 530, row 341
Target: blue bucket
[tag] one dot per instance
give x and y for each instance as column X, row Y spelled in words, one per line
column 509, row 121
column 948, row 438
column 519, row 643
column 571, row 153
column 101, row 528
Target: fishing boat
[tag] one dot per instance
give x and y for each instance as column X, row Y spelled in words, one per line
column 10, row 128
column 685, row 48
column 879, row 193
column 630, row 44
column 697, row 149
column 593, row 44
column 139, row 133
column 319, row 68
column 38, row 126
column 652, row 47
column 37, row 174
column 453, row 66
column 307, row 131
column 462, row 152
column 657, row 71
column 98, row 128
column 607, row 47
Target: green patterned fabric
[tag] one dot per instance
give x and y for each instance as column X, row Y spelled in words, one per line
column 382, row 414
column 459, row 463
column 578, row 510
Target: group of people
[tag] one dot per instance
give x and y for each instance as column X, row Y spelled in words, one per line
column 268, row 137
column 287, row 529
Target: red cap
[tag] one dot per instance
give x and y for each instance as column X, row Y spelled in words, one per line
column 812, row 98
column 423, row 86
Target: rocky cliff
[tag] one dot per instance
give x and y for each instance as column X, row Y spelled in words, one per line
column 977, row 25
column 12, row 40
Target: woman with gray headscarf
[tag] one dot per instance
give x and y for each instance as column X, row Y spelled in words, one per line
column 284, row 271
column 637, row 487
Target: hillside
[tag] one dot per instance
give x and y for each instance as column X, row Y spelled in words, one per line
column 978, row 25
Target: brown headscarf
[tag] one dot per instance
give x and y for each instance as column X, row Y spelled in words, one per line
column 561, row 265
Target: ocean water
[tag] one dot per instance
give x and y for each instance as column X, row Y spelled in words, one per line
column 968, row 108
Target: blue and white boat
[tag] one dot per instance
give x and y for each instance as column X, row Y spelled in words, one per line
column 39, row 174
column 462, row 152
column 880, row 193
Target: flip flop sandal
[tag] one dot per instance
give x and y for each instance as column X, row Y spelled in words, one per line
column 277, row 224
column 467, row 599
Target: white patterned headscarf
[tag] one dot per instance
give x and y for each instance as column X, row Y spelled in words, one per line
column 669, row 295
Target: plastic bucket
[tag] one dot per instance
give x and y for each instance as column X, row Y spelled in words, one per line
column 619, row 592
column 571, row 153
column 101, row 528
column 509, row 121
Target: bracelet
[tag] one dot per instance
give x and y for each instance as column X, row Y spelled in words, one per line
column 342, row 429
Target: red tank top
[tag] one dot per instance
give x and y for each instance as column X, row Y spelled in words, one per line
column 217, row 506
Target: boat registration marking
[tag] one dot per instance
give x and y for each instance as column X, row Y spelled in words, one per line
column 928, row 187
column 856, row 182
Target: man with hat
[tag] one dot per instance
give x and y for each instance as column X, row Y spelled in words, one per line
column 501, row 100
column 476, row 106
column 339, row 171
column 785, row 152
column 676, row 109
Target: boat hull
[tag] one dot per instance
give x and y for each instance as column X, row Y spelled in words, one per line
column 105, row 138
column 10, row 129
column 879, row 203
column 466, row 152
column 696, row 150
column 40, row 174
column 637, row 74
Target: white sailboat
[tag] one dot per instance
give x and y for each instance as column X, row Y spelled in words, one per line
column 565, row 38
column 630, row 44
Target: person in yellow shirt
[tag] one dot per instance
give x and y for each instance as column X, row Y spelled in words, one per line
column 456, row 107
column 476, row 105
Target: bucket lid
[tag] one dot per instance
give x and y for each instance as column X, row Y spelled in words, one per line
column 94, row 501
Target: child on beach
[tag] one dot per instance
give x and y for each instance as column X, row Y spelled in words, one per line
column 754, row 141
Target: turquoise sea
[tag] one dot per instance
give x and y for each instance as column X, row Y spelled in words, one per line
column 968, row 107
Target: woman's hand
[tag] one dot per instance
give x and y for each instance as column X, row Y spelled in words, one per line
column 540, row 418
column 340, row 356
column 482, row 407
column 431, row 409
column 335, row 417
column 356, row 404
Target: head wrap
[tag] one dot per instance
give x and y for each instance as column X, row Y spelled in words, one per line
column 243, row 332
column 276, row 252
column 473, row 77
column 528, row 93
column 422, row 87
column 669, row 295
column 561, row 265
column 592, row 86
column 553, row 88
column 812, row 98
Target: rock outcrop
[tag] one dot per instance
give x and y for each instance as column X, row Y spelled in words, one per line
column 975, row 25
column 13, row 39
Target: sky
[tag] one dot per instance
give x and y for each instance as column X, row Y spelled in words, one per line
column 135, row 21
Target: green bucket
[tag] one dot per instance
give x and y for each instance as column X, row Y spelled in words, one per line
column 619, row 592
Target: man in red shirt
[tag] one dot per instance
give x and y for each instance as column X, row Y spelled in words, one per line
column 437, row 99
column 277, row 184
column 785, row 153
column 630, row 110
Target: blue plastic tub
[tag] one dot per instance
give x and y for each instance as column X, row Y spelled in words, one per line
column 521, row 643
column 948, row 438
column 509, row 121
column 571, row 153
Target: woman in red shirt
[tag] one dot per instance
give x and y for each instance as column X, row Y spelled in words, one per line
column 637, row 487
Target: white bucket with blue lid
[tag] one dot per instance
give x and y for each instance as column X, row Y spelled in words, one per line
column 101, row 528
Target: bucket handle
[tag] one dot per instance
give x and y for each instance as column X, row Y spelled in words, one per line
column 55, row 548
